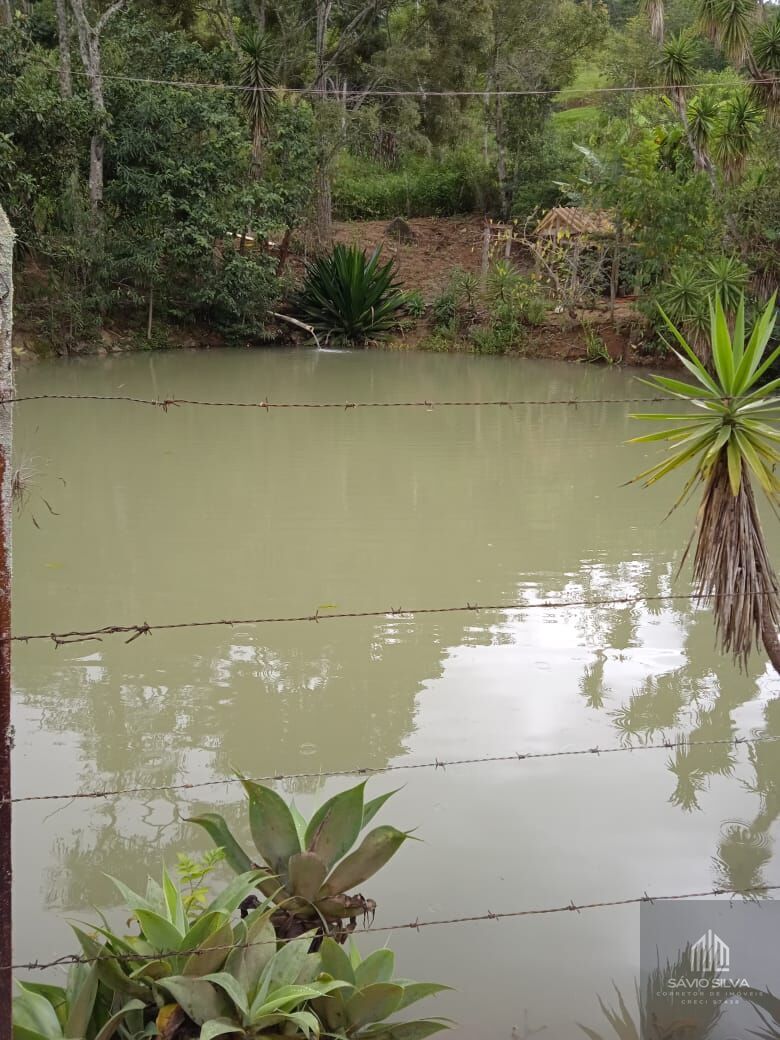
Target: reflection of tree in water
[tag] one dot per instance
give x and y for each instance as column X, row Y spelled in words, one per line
column 745, row 849
column 458, row 507
column 696, row 704
column 317, row 700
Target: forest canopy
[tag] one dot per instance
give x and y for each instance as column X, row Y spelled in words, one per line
column 148, row 146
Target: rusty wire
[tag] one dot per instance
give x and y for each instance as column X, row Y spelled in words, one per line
column 416, row 925
column 436, row 763
column 164, row 403
column 144, row 629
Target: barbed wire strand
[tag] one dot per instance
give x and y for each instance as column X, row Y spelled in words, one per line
column 416, row 925
column 145, row 629
column 174, row 402
column 164, row 403
column 419, row 92
column 436, row 763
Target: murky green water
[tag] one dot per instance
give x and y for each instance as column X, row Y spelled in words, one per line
column 203, row 513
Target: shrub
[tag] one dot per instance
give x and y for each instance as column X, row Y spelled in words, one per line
column 414, row 304
column 193, row 966
column 350, row 297
column 424, row 187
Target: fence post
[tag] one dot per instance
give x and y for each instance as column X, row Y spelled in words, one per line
column 6, row 730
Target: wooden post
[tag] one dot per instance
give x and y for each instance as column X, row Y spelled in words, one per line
column 6, row 730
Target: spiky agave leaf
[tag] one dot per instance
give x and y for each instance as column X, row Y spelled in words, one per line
column 350, row 297
column 731, row 438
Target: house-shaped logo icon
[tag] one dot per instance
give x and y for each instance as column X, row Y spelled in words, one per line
column 710, row 953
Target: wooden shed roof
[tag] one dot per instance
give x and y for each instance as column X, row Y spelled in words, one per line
column 575, row 220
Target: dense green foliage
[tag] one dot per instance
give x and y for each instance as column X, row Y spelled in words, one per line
column 391, row 108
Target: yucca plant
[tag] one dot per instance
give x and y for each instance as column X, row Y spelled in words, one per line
column 678, row 65
column 726, row 277
column 703, row 113
column 736, row 133
column 765, row 46
column 349, row 297
column 729, row 24
column 369, row 995
column 309, row 868
column 683, row 298
column 730, row 437
column 654, row 9
column 257, row 68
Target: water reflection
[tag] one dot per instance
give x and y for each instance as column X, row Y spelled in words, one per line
column 232, row 513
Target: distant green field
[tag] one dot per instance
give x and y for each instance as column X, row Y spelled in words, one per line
column 589, row 78
column 575, row 117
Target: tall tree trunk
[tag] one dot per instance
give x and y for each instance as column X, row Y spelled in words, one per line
column 323, row 190
column 6, row 12
column 89, row 48
column 63, row 30
column 257, row 7
column 230, row 32
column 504, row 184
column 6, row 729
column 324, row 207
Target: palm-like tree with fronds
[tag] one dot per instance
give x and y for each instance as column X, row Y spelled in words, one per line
column 257, row 76
column 736, row 133
column 731, row 437
column 765, row 66
column 678, row 68
column 730, row 24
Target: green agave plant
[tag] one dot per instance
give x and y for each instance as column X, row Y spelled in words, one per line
column 169, row 942
column 349, row 297
column 79, row 1010
column 730, row 437
column 260, row 991
column 308, row 866
column 369, row 995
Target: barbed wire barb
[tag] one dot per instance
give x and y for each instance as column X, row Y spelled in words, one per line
column 68, row 959
column 144, row 628
column 437, row 764
column 178, row 402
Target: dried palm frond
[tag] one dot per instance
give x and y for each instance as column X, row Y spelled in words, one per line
column 654, row 9
column 731, row 438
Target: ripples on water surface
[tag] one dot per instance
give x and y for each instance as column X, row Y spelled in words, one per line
column 204, row 513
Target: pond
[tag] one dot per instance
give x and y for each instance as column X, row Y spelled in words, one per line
column 135, row 515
